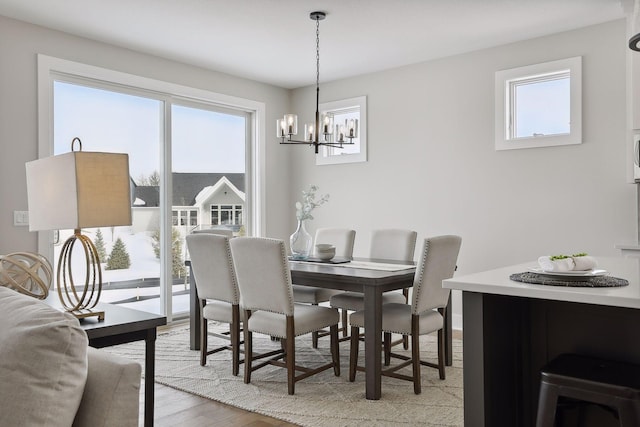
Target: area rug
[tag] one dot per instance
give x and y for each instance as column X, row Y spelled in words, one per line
column 322, row 400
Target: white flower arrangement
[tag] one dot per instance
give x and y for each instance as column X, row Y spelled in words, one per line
column 309, row 203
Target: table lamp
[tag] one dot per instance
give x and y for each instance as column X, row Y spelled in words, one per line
column 79, row 190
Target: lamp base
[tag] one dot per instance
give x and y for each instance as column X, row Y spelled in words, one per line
column 85, row 313
column 78, row 302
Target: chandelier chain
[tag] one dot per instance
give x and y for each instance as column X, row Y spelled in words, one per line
column 287, row 127
column 317, row 53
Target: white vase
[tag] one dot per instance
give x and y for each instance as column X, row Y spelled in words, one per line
column 300, row 242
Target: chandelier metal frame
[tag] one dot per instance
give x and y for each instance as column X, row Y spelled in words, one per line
column 288, row 126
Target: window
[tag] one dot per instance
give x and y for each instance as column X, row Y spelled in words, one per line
column 539, row 105
column 226, row 215
column 146, row 118
column 188, row 217
column 341, row 111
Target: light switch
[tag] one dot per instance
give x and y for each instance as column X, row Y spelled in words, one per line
column 20, row 218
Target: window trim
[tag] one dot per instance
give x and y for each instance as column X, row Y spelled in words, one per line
column 504, row 99
column 50, row 69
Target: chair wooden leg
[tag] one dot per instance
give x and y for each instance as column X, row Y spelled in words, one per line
column 291, row 357
column 441, row 353
column 235, row 339
column 387, row 348
column 415, row 354
column 405, row 338
column 203, row 335
column 353, row 353
column 314, row 337
column 344, row 322
column 335, row 349
column 248, row 348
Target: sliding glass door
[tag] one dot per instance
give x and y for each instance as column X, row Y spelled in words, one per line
column 187, row 162
column 208, row 158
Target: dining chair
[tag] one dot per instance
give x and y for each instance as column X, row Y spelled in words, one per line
column 424, row 315
column 218, row 292
column 386, row 244
column 264, row 280
column 343, row 239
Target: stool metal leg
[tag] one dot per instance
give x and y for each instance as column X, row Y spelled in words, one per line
column 628, row 414
column 548, row 400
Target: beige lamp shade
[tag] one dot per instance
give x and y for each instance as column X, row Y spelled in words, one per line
column 79, row 190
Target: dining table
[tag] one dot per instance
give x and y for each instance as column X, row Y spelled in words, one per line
column 370, row 277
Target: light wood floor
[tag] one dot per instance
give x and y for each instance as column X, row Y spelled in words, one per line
column 177, row 408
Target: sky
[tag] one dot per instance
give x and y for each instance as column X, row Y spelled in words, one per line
column 202, row 140
column 543, row 108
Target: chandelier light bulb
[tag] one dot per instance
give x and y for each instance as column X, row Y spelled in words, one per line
column 308, row 131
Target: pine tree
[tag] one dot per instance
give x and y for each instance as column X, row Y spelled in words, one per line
column 156, row 243
column 119, row 258
column 177, row 263
column 99, row 243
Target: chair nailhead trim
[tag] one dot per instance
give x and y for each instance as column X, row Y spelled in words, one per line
column 417, row 285
column 232, row 269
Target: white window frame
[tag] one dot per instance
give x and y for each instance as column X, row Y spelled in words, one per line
column 51, row 69
column 504, row 108
column 330, row 156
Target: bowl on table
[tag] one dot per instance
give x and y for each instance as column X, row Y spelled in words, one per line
column 325, row 251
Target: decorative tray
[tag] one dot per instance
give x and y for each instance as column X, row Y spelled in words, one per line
column 570, row 275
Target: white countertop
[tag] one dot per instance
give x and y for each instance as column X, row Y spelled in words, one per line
column 497, row 282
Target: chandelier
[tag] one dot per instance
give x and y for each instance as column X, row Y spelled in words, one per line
column 322, row 132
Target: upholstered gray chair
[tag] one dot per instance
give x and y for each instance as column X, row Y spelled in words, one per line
column 388, row 244
column 424, row 315
column 267, row 297
column 343, row 239
column 218, row 291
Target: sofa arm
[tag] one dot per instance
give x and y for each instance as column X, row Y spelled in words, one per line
column 112, row 394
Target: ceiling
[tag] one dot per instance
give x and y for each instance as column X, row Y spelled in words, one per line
column 273, row 41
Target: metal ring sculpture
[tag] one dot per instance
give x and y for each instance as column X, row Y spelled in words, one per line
column 26, row 272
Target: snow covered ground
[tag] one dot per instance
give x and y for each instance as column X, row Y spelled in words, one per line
column 144, row 265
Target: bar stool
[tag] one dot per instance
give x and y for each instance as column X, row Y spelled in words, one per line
column 613, row 384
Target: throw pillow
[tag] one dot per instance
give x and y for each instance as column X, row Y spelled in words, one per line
column 43, row 363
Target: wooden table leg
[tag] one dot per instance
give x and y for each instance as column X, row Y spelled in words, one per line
column 373, row 341
column 149, row 376
column 448, row 335
column 194, row 313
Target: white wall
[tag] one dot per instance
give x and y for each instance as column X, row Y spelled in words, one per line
column 433, row 168
column 19, row 44
column 432, row 165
